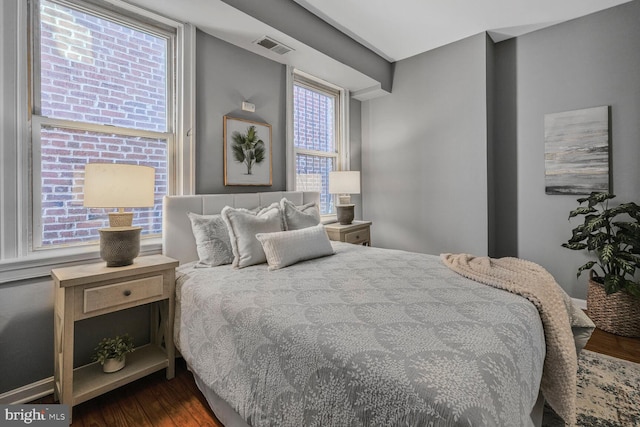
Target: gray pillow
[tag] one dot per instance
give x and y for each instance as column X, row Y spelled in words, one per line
column 284, row 248
column 212, row 240
column 243, row 226
column 298, row 217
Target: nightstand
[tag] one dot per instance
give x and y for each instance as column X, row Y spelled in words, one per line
column 91, row 290
column 358, row 232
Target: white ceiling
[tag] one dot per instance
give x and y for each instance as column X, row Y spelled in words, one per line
column 398, row 29
column 395, row 29
column 217, row 18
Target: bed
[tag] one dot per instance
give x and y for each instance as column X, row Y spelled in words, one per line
column 366, row 336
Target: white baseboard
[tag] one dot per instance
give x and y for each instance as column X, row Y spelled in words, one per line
column 580, row 303
column 28, row 393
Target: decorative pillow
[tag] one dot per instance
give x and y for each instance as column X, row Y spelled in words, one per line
column 297, row 217
column 212, row 240
column 285, row 248
column 243, row 226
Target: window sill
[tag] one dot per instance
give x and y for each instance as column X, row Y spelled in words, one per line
column 39, row 264
column 328, row 219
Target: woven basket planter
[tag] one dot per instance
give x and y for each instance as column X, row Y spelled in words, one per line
column 618, row 313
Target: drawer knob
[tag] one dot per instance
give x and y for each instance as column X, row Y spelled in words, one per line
column 127, row 293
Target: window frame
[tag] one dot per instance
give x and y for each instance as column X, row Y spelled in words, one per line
column 38, row 121
column 342, row 157
column 18, row 257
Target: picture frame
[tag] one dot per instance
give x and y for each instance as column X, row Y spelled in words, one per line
column 247, row 152
column 577, row 147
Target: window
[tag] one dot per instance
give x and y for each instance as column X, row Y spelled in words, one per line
column 102, row 91
column 318, row 136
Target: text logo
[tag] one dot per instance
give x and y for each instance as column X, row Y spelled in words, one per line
column 36, row 415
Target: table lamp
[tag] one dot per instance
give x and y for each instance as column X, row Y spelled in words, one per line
column 344, row 183
column 114, row 185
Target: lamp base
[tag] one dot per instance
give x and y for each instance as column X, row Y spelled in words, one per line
column 345, row 214
column 344, row 199
column 120, row 219
column 119, row 245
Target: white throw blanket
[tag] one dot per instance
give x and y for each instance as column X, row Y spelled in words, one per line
column 557, row 313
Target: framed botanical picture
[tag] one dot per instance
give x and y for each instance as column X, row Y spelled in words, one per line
column 247, row 152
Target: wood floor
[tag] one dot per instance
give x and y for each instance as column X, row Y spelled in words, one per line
column 614, row 345
column 150, row 401
column 154, row 401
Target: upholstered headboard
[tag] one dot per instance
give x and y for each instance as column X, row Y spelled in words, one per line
column 177, row 238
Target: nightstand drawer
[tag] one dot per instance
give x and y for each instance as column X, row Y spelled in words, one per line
column 122, row 293
column 358, row 236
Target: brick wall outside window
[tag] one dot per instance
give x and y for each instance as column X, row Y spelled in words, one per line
column 97, row 71
column 314, row 124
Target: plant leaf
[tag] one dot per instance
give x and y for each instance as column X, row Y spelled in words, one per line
column 238, row 153
column 583, row 210
column 583, row 199
column 597, row 240
column 596, row 197
column 596, row 223
column 259, row 152
column 574, row 246
column 612, row 283
column 633, row 288
column 251, row 134
column 606, row 253
column 587, row 266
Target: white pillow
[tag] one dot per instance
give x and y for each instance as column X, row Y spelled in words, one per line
column 243, row 226
column 212, row 240
column 285, row 248
column 297, row 217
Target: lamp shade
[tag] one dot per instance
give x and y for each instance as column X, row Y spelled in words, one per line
column 113, row 185
column 344, row 182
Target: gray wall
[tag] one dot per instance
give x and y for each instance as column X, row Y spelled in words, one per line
column 355, row 148
column 491, row 167
column 26, row 333
column 226, row 75
column 467, row 104
column 584, row 63
column 503, row 200
column 424, row 153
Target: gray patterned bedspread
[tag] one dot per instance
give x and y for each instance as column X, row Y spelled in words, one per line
column 366, row 337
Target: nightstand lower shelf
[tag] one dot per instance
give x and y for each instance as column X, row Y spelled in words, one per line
column 89, row 381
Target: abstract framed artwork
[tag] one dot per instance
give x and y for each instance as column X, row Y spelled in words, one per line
column 247, row 152
column 576, row 151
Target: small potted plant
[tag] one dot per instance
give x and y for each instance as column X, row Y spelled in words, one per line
column 111, row 352
column 613, row 235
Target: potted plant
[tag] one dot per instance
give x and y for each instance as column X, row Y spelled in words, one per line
column 111, row 352
column 613, row 235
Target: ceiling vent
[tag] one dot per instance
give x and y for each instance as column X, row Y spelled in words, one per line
column 273, row 45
